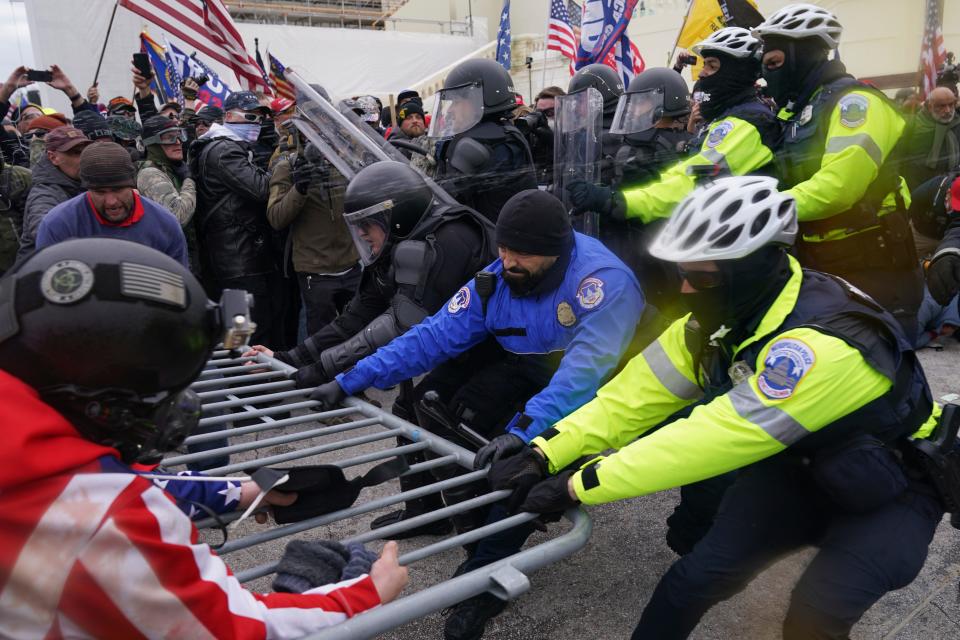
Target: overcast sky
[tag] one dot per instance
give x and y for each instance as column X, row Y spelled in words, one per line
column 15, row 46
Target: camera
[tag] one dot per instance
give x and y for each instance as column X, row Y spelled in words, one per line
column 684, row 60
column 202, row 80
column 948, row 74
column 529, row 123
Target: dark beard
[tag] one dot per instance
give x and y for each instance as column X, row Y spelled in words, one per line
column 521, row 281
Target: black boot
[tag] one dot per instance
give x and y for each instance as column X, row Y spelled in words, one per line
column 468, row 619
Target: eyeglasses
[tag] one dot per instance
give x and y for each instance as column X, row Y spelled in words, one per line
column 702, row 280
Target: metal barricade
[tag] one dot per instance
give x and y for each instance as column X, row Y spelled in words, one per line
column 265, row 400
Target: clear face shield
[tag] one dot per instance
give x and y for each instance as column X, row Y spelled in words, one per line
column 370, row 229
column 637, row 112
column 456, row 110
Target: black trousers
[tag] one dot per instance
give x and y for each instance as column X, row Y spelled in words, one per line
column 324, row 297
column 772, row 509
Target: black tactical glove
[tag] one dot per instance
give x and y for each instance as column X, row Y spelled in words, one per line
column 310, row 376
column 519, row 473
column 500, row 447
column 943, row 277
column 550, row 498
column 303, row 174
column 590, row 197
column 329, row 395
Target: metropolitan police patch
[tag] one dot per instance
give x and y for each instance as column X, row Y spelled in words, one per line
column 719, row 133
column 590, row 293
column 853, row 110
column 459, row 301
column 787, row 361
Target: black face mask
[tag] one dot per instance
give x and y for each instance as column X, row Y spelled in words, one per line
column 802, row 58
column 748, row 288
column 730, row 85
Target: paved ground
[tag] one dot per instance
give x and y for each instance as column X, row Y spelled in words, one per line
column 600, row 591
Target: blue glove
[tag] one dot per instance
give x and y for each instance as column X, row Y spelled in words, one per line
column 590, row 197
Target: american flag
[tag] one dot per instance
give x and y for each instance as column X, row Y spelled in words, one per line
column 560, row 35
column 503, row 37
column 206, row 25
column 932, row 52
column 284, row 88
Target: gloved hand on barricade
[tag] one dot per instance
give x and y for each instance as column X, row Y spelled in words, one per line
column 550, row 498
column 500, row 447
column 329, row 395
column 519, row 473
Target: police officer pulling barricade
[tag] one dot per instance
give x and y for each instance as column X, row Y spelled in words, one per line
column 803, row 383
column 739, row 137
column 552, row 291
column 840, row 163
column 482, row 159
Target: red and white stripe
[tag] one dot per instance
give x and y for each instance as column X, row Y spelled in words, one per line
column 560, row 36
column 112, row 556
column 933, row 53
column 206, row 25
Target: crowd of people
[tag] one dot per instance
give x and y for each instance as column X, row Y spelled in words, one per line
column 731, row 304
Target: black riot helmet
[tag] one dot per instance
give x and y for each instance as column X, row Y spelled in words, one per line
column 602, row 78
column 498, row 92
column 110, row 333
column 384, row 202
column 676, row 96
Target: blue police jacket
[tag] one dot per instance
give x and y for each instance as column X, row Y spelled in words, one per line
column 591, row 317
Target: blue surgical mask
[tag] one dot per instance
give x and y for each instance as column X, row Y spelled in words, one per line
column 246, row 132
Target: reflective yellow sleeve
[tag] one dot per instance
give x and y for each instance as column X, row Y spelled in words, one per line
column 731, row 143
column 650, row 388
column 746, row 424
column 855, row 149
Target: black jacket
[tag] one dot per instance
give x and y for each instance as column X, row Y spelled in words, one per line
column 460, row 252
column 507, row 171
column 232, row 194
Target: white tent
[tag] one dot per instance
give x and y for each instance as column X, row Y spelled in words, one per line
column 70, row 33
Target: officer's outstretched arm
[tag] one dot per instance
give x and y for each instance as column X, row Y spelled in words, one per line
column 653, row 385
column 732, row 144
column 862, row 132
column 449, row 332
column 603, row 331
column 809, row 381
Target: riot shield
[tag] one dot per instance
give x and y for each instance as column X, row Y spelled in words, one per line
column 343, row 139
column 577, row 148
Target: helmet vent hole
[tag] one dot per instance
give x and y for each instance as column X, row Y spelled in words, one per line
column 729, row 238
column 695, row 236
column 760, row 222
column 718, row 232
column 760, row 195
column 712, row 198
column 730, row 210
column 784, row 209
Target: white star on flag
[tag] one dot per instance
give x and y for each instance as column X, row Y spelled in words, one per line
column 232, row 493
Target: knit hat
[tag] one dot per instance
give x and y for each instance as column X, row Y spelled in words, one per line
column 534, row 222
column 361, row 559
column 106, row 164
column 48, row 123
column 308, row 564
column 64, row 139
column 408, row 109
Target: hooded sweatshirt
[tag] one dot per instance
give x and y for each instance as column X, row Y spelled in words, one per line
column 90, row 549
column 50, row 187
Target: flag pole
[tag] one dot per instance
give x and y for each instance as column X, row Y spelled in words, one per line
column 103, row 49
column 677, row 41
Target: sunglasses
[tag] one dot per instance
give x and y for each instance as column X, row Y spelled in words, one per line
column 702, row 280
column 251, row 117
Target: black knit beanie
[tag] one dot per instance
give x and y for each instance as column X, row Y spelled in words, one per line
column 535, row 222
column 106, row 164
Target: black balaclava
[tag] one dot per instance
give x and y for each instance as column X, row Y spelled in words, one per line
column 732, row 84
column 798, row 75
column 750, row 285
column 534, row 222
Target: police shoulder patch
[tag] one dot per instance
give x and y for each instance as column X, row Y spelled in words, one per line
column 853, row 110
column 718, row 133
column 590, row 292
column 459, row 301
column 788, row 361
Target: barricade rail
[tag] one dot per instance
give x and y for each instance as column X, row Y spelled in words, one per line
column 264, row 403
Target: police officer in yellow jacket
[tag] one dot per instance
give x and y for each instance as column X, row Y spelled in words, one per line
column 799, row 381
column 839, row 163
column 739, row 138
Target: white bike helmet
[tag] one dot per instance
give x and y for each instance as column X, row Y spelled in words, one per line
column 802, row 21
column 727, row 219
column 732, row 41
